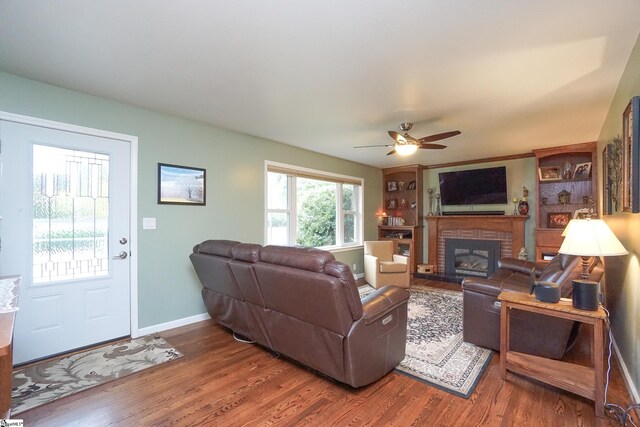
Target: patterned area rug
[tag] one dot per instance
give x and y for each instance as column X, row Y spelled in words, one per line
column 50, row 380
column 435, row 352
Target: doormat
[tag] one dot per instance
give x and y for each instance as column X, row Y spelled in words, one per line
column 435, row 351
column 52, row 379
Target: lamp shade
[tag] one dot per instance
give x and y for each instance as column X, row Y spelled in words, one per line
column 590, row 237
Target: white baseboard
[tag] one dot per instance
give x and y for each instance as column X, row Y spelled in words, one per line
column 170, row 325
column 633, row 391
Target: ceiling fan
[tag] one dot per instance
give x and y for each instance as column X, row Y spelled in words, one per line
column 406, row 144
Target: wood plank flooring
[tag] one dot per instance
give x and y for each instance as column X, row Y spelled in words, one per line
column 221, row 382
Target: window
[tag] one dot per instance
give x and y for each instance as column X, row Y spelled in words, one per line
column 312, row 208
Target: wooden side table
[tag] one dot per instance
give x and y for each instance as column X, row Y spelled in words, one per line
column 586, row 381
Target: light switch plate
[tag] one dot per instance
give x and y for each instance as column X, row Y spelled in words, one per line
column 148, row 223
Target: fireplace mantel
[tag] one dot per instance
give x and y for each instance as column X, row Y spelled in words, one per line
column 513, row 224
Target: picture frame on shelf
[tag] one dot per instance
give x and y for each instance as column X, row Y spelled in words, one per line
column 412, row 185
column 583, row 213
column 582, row 171
column 631, row 156
column 181, row 185
column 393, row 204
column 549, row 173
column 392, row 185
column 558, row 219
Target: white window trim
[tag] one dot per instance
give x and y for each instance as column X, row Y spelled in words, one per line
column 345, row 179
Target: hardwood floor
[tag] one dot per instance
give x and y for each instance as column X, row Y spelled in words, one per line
column 221, row 382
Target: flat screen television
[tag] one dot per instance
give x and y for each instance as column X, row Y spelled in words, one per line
column 474, row 187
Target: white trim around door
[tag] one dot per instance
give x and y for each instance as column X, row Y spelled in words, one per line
column 133, row 218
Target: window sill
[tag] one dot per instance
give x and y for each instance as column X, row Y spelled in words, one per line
column 334, row 249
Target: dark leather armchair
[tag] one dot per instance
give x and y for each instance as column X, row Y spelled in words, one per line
column 530, row 332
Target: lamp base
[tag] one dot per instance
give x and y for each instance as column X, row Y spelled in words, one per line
column 585, row 294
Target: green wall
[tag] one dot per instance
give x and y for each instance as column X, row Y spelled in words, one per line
column 520, row 172
column 623, row 273
column 167, row 286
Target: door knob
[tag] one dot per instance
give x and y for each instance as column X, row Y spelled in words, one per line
column 121, row 255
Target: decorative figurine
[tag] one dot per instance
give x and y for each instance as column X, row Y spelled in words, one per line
column 430, row 193
column 564, row 197
column 567, row 170
column 523, row 205
column 523, row 254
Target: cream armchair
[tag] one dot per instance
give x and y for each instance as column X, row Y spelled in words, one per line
column 383, row 267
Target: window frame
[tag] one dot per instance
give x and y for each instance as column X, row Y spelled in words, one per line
column 294, row 172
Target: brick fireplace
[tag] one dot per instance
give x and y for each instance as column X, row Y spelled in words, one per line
column 507, row 229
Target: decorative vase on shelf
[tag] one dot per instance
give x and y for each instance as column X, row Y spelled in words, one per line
column 523, row 207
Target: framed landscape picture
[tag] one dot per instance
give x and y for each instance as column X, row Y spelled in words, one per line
column 181, row 185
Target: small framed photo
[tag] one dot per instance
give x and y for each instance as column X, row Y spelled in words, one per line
column 583, row 213
column 582, row 171
column 558, row 219
column 181, row 185
column 412, row 185
column 392, row 186
column 549, row 173
column 393, row 204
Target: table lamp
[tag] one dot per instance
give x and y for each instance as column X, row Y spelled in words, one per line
column 588, row 238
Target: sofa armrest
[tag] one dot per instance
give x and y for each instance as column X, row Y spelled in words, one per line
column 400, row 259
column 381, row 302
column 482, row 285
column 520, row 265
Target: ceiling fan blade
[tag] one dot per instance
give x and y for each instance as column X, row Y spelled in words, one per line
column 369, row 146
column 410, row 138
column 439, row 136
column 395, row 135
column 391, row 152
column 432, row 146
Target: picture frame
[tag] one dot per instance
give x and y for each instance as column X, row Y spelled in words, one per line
column 181, row 185
column 392, row 186
column 583, row 213
column 412, row 185
column 549, row 173
column 558, row 219
column 606, row 184
column 615, row 154
column 582, row 171
column 393, row 204
column 631, row 156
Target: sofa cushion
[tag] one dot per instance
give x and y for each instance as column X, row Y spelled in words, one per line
column 309, row 259
column 392, row 267
column 246, row 252
column 216, row 247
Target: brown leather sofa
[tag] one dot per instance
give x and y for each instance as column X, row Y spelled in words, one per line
column 304, row 304
column 531, row 333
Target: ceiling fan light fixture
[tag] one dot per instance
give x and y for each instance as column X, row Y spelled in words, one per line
column 405, row 149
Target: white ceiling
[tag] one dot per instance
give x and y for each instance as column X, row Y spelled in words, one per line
column 328, row 75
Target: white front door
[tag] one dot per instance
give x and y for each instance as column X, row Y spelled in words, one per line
column 64, row 208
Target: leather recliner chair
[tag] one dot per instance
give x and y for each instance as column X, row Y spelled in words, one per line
column 531, row 333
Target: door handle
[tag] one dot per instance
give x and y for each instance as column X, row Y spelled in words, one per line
column 121, row 255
